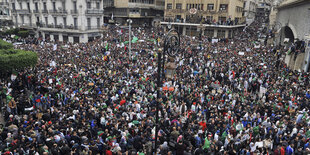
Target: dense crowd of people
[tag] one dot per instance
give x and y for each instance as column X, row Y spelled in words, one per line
column 228, row 96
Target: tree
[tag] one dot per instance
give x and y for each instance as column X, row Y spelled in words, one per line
column 14, row 59
column 5, row 45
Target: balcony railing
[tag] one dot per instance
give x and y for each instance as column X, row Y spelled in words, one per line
column 44, row 11
column 74, row 12
column 25, row 25
column 222, row 11
column 93, row 27
column 72, row 27
column 35, row 11
column 94, row 11
column 4, row 3
column 23, row 11
column 60, row 11
column 203, row 21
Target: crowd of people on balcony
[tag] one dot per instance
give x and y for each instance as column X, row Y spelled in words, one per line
column 233, row 96
column 199, row 20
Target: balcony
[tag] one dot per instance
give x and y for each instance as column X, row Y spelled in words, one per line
column 94, row 11
column 92, row 28
column 25, row 25
column 74, row 12
column 4, row 3
column 53, row 26
column 23, row 11
column 35, row 11
column 59, row 12
column 44, row 11
column 223, row 11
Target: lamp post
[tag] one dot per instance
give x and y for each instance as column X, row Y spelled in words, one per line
column 129, row 21
column 171, row 46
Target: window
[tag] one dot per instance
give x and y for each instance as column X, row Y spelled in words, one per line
column 74, row 6
column 169, row 6
column 209, row 18
column 178, row 18
column 36, row 6
column 13, row 6
column 223, row 6
column 46, row 21
column 209, row 32
column 134, row 11
column 98, row 5
column 98, row 22
column 88, row 5
column 88, row 24
column 55, row 21
column 20, row 5
column 210, row 7
column 64, row 5
column 75, row 23
column 187, row 6
column 44, row 6
column 28, row 6
column 239, row 9
column 221, row 34
column 54, row 6
column 65, row 21
column 23, row 19
column 16, row 19
column 30, row 20
column 201, row 6
column 178, row 6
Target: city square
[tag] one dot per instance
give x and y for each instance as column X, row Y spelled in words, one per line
column 164, row 77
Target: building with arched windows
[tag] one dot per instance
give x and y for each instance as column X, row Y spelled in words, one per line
column 293, row 30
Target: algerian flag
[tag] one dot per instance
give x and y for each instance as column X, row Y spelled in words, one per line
column 256, row 130
column 107, row 46
column 207, row 144
column 224, row 135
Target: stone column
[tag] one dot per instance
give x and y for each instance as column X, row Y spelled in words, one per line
column 226, row 33
column 184, row 30
column 215, row 33
column 70, row 39
column 60, row 37
column 52, row 37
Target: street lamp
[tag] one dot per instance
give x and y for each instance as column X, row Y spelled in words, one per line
column 129, row 21
column 169, row 24
column 171, row 48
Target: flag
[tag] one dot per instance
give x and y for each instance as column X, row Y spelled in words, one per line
column 224, row 135
column 207, row 144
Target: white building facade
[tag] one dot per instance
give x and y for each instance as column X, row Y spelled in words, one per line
column 250, row 7
column 5, row 13
column 60, row 20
